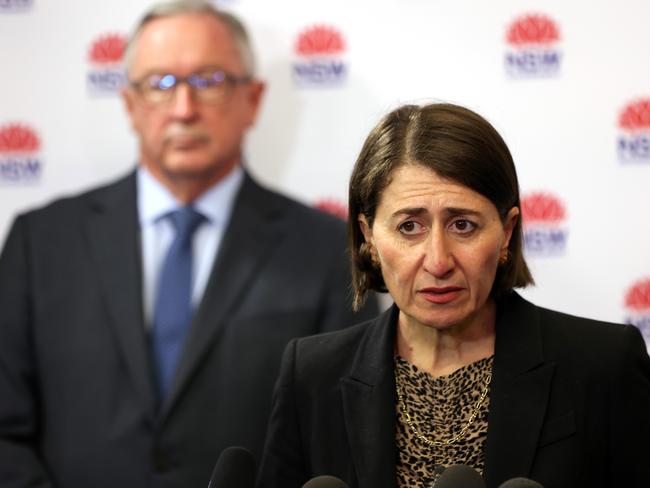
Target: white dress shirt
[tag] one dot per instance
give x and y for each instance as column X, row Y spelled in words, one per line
column 155, row 201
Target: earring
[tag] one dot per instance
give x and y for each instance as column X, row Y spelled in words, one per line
column 504, row 257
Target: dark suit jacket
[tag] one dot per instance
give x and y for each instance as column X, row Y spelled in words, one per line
column 77, row 403
column 569, row 404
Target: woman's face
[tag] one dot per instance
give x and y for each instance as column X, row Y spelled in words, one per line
column 438, row 244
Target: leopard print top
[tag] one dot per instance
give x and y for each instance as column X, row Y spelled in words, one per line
column 439, row 408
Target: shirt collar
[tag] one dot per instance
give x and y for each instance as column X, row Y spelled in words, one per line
column 156, row 201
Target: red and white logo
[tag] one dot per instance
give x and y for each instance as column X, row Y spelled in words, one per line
column 637, row 304
column 541, row 207
column 634, row 126
column 106, row 74
column 320, row 40
column 637, row 298
column 18, row 138
column 333, row 207
column 107, row 49
column 543, row 216
column 19, row 158
column 319, row 49
column 533, row 29
column 533, row 47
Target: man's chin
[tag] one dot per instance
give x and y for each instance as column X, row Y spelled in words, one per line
column 187, row 172
column 194, row 168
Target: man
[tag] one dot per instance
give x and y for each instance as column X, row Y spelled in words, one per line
column 134, row 350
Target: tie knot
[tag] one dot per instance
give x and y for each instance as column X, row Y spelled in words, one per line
column 185, row 221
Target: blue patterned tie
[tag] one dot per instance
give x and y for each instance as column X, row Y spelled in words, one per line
column 173, row 307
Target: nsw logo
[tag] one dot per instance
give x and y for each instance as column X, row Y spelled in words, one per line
column 543, row 217
column 532, row 50
column 319, row 50
column 634, row 138
column 106, row 74
column 333, row 207
column 19, row 158
column 7, row 6
column 637, row 304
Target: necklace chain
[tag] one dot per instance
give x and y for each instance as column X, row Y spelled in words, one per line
column 461, row 433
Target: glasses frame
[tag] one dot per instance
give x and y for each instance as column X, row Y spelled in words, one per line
column 164, row 85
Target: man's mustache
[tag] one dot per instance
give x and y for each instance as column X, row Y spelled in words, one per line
column 181, row 132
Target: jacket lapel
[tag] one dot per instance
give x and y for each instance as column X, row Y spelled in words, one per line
column 519, row 393
column 369, row 405
column 112, row 231
column 255, row 228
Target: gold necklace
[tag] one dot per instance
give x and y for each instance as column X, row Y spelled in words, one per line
column 461, row 433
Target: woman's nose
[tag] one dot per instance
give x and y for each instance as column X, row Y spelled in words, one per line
column 439, row 259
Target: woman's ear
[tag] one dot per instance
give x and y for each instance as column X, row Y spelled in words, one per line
column 509, row 225
column 366, row 230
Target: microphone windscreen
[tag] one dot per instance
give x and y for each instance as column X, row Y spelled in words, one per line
column 459, row 475
column 325, row 482
column 520, row 483
column 235, row 468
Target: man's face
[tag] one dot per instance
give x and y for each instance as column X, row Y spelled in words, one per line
column 185, row 140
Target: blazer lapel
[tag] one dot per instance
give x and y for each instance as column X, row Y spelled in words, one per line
column 112, row 230
column 255, row 228
column 369, row 405
column 519, row 393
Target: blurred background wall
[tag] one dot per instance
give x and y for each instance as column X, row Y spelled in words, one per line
column 566, row 83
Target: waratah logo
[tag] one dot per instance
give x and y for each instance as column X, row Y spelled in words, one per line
column 637, row 304
column 543, row 217
column 332, row 207
column 19, row 159
column 532, row 47
column 106, row 74
column 634, row 139
column 319, row 50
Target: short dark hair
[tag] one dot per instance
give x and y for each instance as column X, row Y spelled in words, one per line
column 457, row 144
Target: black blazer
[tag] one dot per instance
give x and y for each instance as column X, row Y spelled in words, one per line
column 77, row 403
column 569, row 404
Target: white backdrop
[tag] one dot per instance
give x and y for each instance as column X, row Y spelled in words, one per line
column 566, row 83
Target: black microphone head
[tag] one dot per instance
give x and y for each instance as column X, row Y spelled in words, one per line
column 235, row 468
column 520, row 483
column 325, row 482
column 459, row 475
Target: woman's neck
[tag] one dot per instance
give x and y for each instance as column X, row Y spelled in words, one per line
column 442, row 351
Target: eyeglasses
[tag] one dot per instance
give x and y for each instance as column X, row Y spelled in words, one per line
column 212, row 87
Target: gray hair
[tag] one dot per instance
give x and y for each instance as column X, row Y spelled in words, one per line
column 178, row 7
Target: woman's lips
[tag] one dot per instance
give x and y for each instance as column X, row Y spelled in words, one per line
column 440, row 295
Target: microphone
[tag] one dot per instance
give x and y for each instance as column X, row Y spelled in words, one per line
column 325, row 482
column 520, row 483
column 235, row 468
column 459, row 475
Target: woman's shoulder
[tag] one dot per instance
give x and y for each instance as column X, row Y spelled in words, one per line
column 561, row 330
column 369, row 343
column 338, row 341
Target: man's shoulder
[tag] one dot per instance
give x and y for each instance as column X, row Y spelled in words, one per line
column 274, row 201
column 74, row 202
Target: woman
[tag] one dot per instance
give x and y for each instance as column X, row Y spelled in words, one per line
column 461, row 370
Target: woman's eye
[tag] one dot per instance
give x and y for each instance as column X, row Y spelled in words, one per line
column 463, row 226
column 410, row 227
